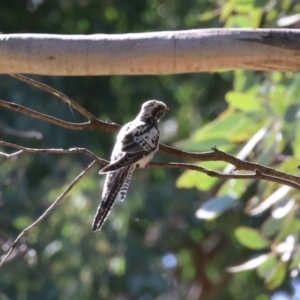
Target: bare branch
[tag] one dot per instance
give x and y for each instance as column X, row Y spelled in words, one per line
column 170, row 52
column 51, row 151
column 58, row 94
column 256, row 175
column 32, row 113
column 50, row 208
column 93, row 122
column 215, row 155
column 218, row 155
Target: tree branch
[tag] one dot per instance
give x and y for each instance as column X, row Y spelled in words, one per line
column 51, row 151
column 34, row 114
column 254, row 176
column 170, row 52
column 58, row 94
column 92, row 124
column 50, row 208
column 215, row 155
column 218, row 155
column 257, row 174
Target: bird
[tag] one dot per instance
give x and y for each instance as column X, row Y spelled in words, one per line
column 135, row 146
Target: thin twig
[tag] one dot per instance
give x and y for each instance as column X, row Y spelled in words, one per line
column 61, row 196
column 56, row 93
column 34, row 114
column 93, row 123
column 51, row 151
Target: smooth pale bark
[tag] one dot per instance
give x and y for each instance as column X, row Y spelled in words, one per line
column 150, row 53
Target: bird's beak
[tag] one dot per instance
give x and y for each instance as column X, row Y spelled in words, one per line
column 167, row 108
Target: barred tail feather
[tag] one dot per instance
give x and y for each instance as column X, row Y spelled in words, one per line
column 114, row 183
column 124, row 188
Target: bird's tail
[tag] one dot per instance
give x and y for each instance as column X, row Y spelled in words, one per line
column 116, row 183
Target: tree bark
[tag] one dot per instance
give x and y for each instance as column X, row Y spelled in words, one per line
column 156, row 53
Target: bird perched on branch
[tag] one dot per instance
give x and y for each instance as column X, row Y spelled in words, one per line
column 136, row 144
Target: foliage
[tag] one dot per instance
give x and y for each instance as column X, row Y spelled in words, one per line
column 270, row 121
column 160, row 243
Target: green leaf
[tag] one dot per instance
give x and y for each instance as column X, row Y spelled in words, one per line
column 215, row 206
column 230, row 127
column 290, row 165
column 271, row 226
column 243, row 102
column 294, row 264
column 265, row 269
column 207, row 16
column 296, row 144
column 291, row 114
column 226, row 10
column 206, row 145
column 290, row 226
column 277, row 276
column 242, row 20
column 234, row 187
column 251, row 238
column 235, row 127
column 198, row 180
column 201, row 181
column 276, row 95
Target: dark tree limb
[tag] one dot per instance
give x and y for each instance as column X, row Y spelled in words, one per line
column 34, row 114
column 218, row 155
column 56, row 93
column 257, row 174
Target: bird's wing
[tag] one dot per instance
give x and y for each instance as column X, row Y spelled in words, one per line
column 126, row 160
column 141, row 138
column 133, row 146
column 116, row 183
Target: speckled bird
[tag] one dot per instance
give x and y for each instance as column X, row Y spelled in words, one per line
column 136, row 144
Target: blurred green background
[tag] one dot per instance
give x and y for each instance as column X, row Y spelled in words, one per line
column 177, row 232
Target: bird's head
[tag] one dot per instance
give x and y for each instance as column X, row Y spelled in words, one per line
column 153, row 109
